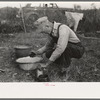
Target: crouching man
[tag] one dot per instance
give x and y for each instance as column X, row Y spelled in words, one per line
column 62, row 45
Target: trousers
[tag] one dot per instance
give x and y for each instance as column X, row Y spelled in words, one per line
column 73, row 50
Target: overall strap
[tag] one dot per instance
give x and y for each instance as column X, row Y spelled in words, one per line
column 58, row 29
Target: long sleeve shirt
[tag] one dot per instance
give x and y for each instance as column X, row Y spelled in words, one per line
column 65, row 35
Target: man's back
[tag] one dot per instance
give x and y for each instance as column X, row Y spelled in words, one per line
column 62, row 29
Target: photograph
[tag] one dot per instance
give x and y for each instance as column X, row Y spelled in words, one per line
column 49, row 42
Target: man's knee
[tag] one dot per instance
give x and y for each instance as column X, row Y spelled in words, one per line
column 75, row 51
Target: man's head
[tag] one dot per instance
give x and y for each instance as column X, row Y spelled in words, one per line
column 43, row 25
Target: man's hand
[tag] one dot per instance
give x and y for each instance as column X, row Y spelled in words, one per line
column 45, row 67
column 32, row 54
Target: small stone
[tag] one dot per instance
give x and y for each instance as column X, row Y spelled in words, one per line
column 95, row 69
column 14, row 75
column 27, row 74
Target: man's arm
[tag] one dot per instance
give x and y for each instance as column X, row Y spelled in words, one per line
column 40, row 51
column 62, row 42
column 47, row 46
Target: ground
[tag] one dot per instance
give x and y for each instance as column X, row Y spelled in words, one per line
column 85, row 69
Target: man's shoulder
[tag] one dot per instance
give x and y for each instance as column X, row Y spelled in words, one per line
column 64, row 26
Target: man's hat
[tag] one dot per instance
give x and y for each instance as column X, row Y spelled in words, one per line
column 41, row 20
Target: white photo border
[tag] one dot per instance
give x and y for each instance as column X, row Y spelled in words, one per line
column 66, row 90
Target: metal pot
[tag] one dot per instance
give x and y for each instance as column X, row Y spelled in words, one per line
column 22, row 51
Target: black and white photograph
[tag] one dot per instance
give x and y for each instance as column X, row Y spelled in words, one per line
column 49, row 41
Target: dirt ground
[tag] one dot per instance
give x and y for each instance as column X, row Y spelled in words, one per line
column 86, row 69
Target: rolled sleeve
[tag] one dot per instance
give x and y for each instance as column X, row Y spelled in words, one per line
column 62, row 42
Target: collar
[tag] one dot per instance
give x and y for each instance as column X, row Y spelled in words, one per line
column 55, row 27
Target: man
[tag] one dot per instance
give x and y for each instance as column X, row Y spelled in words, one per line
column 62, row 45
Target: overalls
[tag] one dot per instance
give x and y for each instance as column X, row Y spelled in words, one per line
column 73, row 50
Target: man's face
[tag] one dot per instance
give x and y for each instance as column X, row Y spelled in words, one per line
column 45, row 28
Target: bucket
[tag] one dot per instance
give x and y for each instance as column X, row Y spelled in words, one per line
column 22, row 51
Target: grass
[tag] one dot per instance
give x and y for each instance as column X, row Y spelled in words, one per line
column 85, row 69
